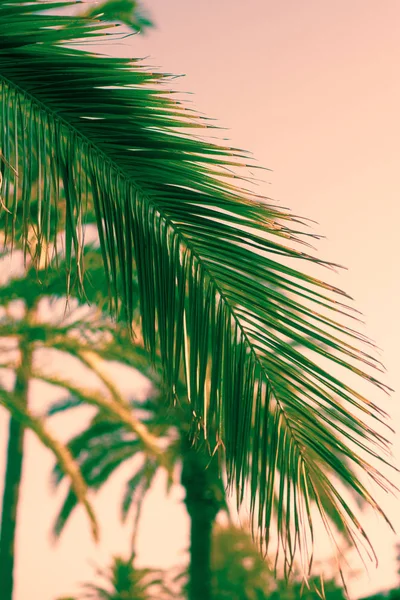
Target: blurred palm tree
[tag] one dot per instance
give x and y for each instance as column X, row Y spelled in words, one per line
column 123, row 581
column 105, row 445
column 35, row 330
column 228, row 296
column 238, row 573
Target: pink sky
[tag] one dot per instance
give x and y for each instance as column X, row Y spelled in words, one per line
column 312, row 89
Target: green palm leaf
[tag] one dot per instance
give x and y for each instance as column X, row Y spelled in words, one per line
column 105, row 445
column 62, row 454
column 224, row 283
column 127, row 12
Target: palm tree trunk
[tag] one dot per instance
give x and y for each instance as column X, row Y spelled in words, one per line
column 9, row 508
column 200, row 555
column 203, row 501
column 13, row 477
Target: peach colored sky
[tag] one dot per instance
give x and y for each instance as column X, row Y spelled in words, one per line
column 311, row 87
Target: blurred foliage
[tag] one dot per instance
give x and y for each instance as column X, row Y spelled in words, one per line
column 238, row 570
column 123, row 581
column 238, row 573
column 393, row 594
column 105, row 445
column 127, row 12
column 241, row 573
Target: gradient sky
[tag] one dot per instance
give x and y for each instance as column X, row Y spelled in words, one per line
column 312, row 89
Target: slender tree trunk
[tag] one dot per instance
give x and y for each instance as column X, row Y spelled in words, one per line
column 204, row 499
column 10, row 506
column 200, row 555
column 13, row 477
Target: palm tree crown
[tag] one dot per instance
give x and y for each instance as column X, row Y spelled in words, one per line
column 123, row 581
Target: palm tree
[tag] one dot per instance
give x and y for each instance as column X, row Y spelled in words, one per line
column 225, row 279
column 32, row 325
column 238, row 573
column 124, row 581
column 106, row 444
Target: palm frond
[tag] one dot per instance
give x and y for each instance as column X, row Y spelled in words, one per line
column 92, row 446
column 101, row 449
column 224, row 277
column 65, row 404
column 137, row 487
column 119, row 410
column 127, row 12
column 63, row 456
column 95, row 473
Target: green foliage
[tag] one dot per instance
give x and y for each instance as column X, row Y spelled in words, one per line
column 127, row 12
column 124, row 581
column 393, row 594
column 298, row 590
column 226, row 291
column 240, row 573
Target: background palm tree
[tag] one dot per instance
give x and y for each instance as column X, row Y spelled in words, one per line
column 238, row 573
column 34, row 330
column 106, row 444
column 223, row 275
column 128, row 12
column 123, row 581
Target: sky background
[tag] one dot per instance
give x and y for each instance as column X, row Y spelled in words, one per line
column 312, row 89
